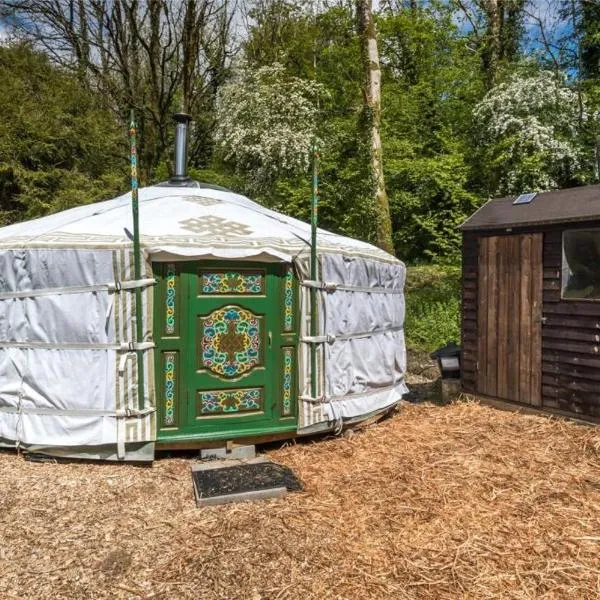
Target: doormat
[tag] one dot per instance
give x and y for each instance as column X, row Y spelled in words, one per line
column 221, row 482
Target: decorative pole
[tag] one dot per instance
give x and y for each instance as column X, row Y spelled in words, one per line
column 139, row 321
column 314, row 269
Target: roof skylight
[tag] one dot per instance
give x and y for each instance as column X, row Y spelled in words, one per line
column 525, row 198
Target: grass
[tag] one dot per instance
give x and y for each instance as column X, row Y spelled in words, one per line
column 432, row 295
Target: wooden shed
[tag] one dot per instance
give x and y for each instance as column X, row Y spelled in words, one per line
column 531, row 302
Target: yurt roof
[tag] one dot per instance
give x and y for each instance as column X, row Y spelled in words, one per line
column 187, row 222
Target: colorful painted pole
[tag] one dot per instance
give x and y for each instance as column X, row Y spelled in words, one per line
column 314, row 268
column 139, row 320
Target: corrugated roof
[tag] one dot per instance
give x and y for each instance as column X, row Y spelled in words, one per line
column 560, row 206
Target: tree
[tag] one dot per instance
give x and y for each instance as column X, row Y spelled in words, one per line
column 497, row 27
column 266, row 123
column 58, row 146
column 157, row 56
column 431, row 83
column 590, row 51
column 370, row 124
column 529, row 135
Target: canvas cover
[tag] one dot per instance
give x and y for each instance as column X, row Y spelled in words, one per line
column 68, row 367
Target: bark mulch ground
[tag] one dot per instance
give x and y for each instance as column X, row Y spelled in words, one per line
column 435, row 502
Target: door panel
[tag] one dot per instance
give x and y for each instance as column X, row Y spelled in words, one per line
column 227, row 349
column 509, row 317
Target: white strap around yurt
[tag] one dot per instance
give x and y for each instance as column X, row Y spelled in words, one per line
column 112, row 288
column 330, row 399
column 128, row 413
column 331, row 287
column 330, row 339
column 123, row 347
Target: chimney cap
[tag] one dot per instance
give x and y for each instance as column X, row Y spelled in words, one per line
column 182, row 117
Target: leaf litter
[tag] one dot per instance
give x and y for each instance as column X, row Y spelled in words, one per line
column 436, row 502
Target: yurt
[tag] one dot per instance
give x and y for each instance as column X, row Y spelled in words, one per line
column 224, row 355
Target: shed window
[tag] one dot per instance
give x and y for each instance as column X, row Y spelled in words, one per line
column 581, row 264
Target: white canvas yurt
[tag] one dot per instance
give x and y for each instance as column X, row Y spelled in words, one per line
column 226, row 315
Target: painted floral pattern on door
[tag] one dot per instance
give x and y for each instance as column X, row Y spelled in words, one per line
column 230, row 341
column 230, row 401
column 232, row 282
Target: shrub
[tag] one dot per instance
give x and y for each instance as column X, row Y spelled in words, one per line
column 432, row 306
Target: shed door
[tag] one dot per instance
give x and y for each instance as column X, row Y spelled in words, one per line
column 509, row 318
column 227, row 337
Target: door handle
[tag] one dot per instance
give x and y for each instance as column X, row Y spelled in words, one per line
column 270, row 336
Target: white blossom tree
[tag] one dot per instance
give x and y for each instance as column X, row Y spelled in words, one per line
column 266, row 125
column 529, row 129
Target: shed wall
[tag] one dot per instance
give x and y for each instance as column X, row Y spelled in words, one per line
column 570, row 333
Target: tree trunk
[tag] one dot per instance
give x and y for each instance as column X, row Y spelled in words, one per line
column 492, row 49
column 372, row 122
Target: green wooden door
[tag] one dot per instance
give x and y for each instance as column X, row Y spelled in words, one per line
column 226, row 337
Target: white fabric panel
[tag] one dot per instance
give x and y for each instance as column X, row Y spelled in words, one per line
column 57, row 380
column 60, row 380
column 364, row 364
column 362, row 374
column 75, row 318
column 364, row 404
column 50, row 268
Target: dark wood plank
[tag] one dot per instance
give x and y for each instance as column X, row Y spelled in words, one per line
column 504, row 316
column 571, row 346
column 513, row 282
column 576, row 322
column 552, row 409
column 573, row 409
column 482, row 316
column 572, row 307
column 468, row 364
column 525, row 321
column 468, row 354
column 491, row 335
column 552, row 284
column 537, row 240
column 587, row 399
column 550, row 296
column 572, row 370
column 571, row 383
column 568, row 333
column 569, row 358
column 470, row 326
column 551, row 273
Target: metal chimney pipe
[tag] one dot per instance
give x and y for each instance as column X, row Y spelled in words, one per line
column 180, row 175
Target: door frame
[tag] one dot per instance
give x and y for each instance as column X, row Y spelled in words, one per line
column 175, row 369
column 509, row 317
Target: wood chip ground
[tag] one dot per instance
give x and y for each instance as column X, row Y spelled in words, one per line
column 460, row 501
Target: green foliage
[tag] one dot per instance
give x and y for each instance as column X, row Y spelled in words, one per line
column 429, row 202
column 432, row 296
column 530, row 134
column 58, row 147
column 266, row 125
column 447, row 146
